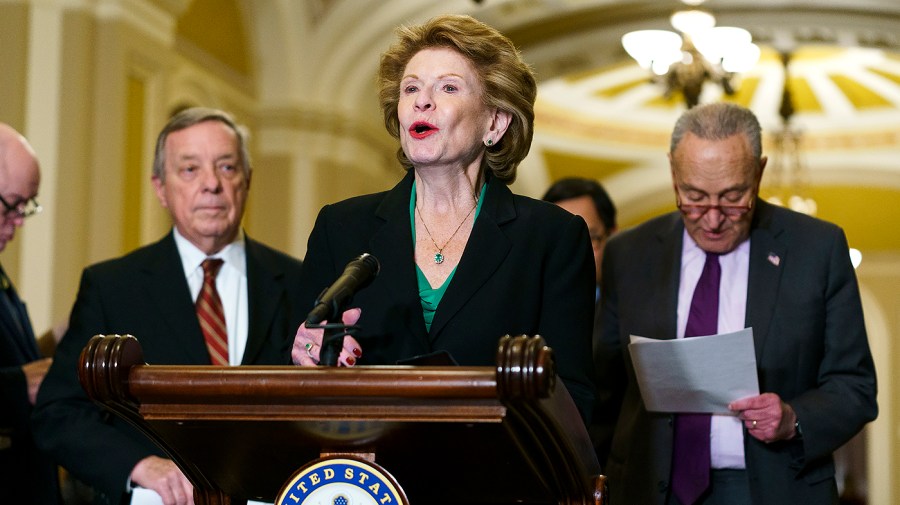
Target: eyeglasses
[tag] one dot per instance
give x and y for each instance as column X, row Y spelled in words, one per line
column 598, row 238
column 697, row 211
column 23, row 209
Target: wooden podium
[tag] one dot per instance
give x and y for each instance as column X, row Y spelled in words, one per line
column 448, row 435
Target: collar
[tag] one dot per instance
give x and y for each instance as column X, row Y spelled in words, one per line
column 690, row 250
column 234, row 254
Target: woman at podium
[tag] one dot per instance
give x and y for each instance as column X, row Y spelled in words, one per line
column 463, row 260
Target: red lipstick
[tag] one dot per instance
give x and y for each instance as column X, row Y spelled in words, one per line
column 422, row 129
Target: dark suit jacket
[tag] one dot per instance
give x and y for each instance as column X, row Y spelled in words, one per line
column 145, row 294
column 26, row 475
column 527, row 269
column 606, row 402
column 810, row 341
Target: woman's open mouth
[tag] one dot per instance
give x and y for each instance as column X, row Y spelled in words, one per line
column 421, row 129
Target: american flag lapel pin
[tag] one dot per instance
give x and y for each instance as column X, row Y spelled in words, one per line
column 774, row 259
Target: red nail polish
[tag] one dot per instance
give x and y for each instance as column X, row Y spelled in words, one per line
column 351, row 361
column 357, row 352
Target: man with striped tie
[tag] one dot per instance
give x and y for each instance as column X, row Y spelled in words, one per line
column 204, row 294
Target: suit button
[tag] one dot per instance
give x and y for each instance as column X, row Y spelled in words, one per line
column 663, row 486
column 671, row 420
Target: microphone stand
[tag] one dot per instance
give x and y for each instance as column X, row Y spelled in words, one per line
column 332, row 343
column 332, row 303
column 333, row 338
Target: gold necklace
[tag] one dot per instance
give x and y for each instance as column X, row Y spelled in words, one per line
column 439, row 255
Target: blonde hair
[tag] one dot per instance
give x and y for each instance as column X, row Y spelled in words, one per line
column 507, row 81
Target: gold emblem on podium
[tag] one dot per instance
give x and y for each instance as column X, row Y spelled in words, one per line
column 341, row 480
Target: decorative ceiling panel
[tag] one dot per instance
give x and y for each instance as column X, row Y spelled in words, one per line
column 836, row 91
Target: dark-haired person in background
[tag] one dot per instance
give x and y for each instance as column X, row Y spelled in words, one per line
column 588, row 198
column 464, row 261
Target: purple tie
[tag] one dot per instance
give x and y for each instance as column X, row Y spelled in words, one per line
column 690, row 471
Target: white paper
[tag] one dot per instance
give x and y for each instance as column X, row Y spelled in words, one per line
column 696, row 374
column 144, row 496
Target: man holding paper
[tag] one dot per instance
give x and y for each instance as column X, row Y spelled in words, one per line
column 725, row 261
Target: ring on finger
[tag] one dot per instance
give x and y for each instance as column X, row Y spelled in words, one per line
column 754, row 424
column 308, row 347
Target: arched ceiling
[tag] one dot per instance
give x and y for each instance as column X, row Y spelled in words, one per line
column 597, row 113
column 834, row 89
column 612, row 124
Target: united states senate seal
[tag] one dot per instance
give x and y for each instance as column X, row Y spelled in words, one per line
column 341, row 480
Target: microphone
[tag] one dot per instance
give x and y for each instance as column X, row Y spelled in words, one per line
column 332, row 302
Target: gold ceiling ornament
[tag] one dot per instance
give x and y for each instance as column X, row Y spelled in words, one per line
column 789, row 179
column 702, row 52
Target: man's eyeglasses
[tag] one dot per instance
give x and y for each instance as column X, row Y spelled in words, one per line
column 598, row 238
column 26, row 208
column 697, row 211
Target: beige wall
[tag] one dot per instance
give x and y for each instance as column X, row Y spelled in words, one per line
column 879, row 276
column 13, row 82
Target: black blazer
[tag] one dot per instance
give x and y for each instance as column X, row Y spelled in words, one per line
column 26, row 475
column 527, row 269
column 145, row 294
column 811, row 349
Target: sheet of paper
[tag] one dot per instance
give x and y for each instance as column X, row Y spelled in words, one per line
column 697, row 374
column 143, row 496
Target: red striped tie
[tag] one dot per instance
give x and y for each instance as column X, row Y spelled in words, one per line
column 211, row 314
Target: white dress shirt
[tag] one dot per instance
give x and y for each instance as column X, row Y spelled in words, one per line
column 726, row 431
column 231, row 284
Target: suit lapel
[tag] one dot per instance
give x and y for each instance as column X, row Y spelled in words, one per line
column 671, row 240
column 264, row 290
column 14, row 319
column 484, row 253
column 167, row 288
column 767, row 255
column 392, row 245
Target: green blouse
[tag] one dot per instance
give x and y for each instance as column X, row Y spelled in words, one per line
column 429, row 296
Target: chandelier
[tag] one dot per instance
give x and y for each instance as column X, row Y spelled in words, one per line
column 700, row 52
column 789, row 179
column 787, row 175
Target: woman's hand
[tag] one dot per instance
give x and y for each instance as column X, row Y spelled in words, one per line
column 308, row 343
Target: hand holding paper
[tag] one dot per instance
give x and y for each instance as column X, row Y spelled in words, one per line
column 697, row 374
column 766, row 417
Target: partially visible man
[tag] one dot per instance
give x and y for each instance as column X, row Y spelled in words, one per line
column 26, row 475
column 245, row 313
column 587, row 198
column 724, row 261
